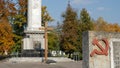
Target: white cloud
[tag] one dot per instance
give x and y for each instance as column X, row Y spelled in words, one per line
column 83, row 2
column 101, row 8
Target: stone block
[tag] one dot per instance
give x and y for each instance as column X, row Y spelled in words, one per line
column 101, row 49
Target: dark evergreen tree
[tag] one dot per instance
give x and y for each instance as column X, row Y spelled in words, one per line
column 69, row 31
column 85, row 21
column 85, row 24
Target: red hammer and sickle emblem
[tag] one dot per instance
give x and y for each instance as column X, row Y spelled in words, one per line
column 102, row 51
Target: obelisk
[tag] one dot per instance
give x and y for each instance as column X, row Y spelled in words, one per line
column 34, row 14
column 34, row 38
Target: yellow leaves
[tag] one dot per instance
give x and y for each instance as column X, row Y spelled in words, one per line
column 6, row 37
column 101, row 25
column 23, row 5
column 11, row 6
column 22, row 2
column 113, row 28
column 68, row 46
column 45, row 15
column 6, row 9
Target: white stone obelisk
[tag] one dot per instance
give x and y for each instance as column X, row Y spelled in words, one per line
column 33, row 35
column 34, row 14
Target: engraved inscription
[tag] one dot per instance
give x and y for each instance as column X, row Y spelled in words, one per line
column 116, row 56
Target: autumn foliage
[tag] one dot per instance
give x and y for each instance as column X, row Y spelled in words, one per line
column 102, row 25
column 6, row 35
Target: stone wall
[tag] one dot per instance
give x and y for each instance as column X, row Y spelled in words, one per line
column 97, row 55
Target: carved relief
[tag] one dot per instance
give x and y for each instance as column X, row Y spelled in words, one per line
column 102, row 50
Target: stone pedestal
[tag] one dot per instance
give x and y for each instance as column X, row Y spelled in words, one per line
column 103, row 53
column 33, row 42
column 28, row 43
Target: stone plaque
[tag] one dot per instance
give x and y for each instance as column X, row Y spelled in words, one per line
column 116, row 54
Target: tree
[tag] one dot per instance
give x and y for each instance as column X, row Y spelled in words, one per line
column 45, row 15
column 19, row 22
column 6, row 38
column 6, row 35
column 58, row 33
column 85, row 21
column 7, row 9
column 85, row 24
column 53, row 41
column 102, row 25
column 54, row 37
column 69, row 31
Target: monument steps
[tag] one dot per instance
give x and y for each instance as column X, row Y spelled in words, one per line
column 38, row 59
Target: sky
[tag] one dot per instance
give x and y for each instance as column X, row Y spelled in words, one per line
column 108, row 9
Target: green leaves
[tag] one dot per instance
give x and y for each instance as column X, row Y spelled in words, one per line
column 85, row 20
column 53, row 41
column 19, row 20
column 72, row 28
column 45, row 15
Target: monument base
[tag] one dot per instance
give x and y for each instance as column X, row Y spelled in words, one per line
column 33, row 44
column 32, row 53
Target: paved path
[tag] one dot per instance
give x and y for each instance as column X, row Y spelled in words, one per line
column 41, row 65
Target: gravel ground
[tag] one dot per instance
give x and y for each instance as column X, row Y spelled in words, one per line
column 41, row 65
